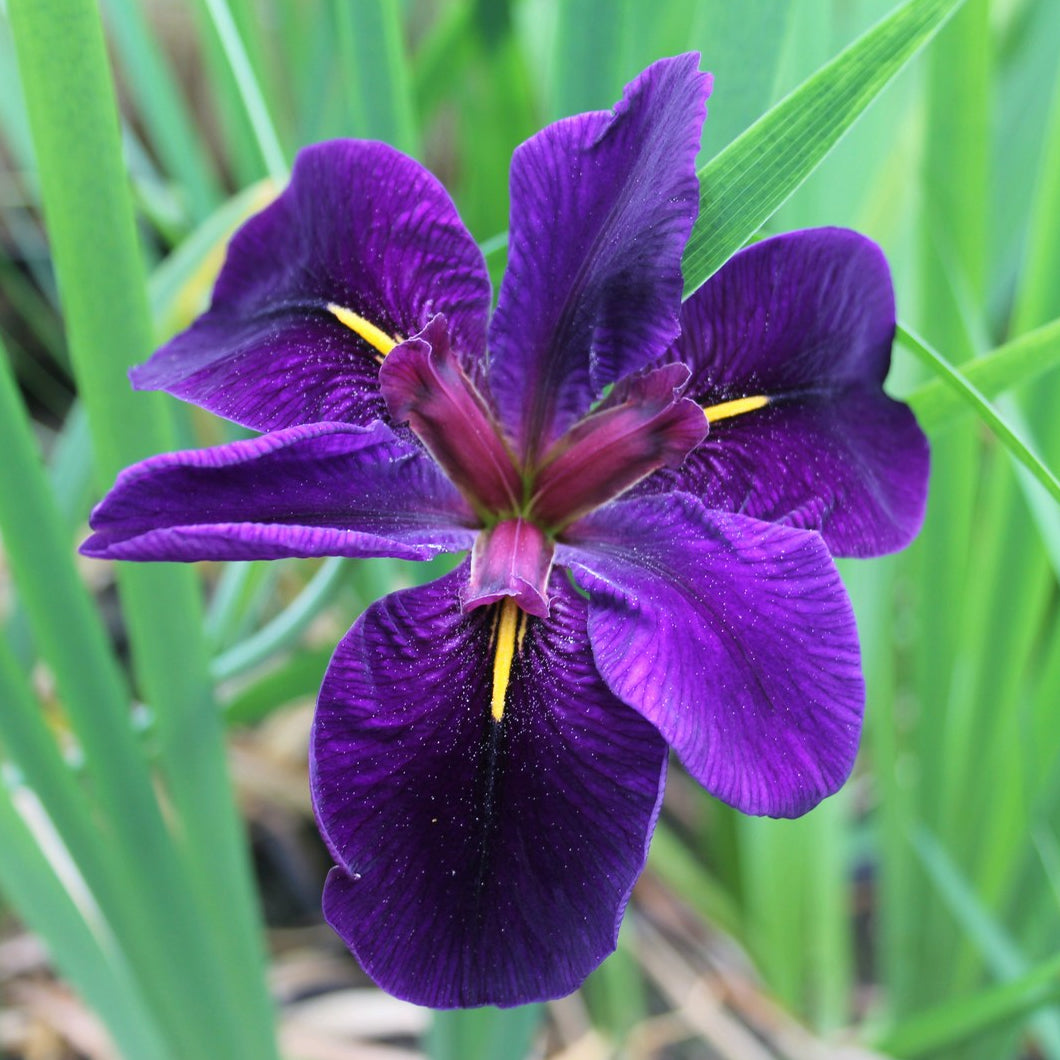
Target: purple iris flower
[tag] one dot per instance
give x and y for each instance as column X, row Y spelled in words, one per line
column 651, row 494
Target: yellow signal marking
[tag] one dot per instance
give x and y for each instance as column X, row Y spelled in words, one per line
column 738, row 407
column 374, row 336
column 504, row 652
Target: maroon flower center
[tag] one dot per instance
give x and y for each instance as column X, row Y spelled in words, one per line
column 642, row 425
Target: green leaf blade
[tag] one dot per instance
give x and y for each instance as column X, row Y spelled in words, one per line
column 741, row 187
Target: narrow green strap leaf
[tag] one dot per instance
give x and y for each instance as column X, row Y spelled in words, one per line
column 285, row 629
column 171, row 130
column 483, row 1033
column 376, row 72
column 210, row 905
column 937, row 404
column 967, row 392
column 1027, row 988
column 740, row 188
column 44, row 901
column 947, row 1025
column 249, row 89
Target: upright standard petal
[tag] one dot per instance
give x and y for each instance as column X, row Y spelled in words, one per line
column 325, row 489
column 481, row 861
column 359, row 252
column 734, row 637
column 789, row 344
column 601, row 207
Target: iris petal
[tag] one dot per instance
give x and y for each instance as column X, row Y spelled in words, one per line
column 806, row 320
column 362, row 232
column 602, row 205
column 480, row 862
column 733, row 636
column 326, row 489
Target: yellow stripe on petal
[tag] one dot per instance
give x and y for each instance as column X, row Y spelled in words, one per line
column 503, row 653
column 374, row 336
column 727, row 409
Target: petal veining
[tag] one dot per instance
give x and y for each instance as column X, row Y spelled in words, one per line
column 480, row 861
column 361, row 227
column 324, row 489
column 734, row 636
column 789, row 343
column 602, row 205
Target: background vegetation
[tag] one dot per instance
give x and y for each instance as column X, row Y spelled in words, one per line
column 914, row 914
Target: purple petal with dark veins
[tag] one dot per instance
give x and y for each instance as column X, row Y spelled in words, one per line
column 648, row 427
column 734, row 637
column 360, row 226
column 479, row 862
column 325, row 489
column 601, row 207
column 807, row 320
column 425, row 386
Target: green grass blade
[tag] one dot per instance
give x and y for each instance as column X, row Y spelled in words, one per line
column 968, row 393
column 172, row 133
column 997, row 948
column 71, row 640
column 90, row 223
column 937, row 403
column 84, row 956
column 1037, row 298
column 741, row 187
column 376, row 73
column 249, row 90
column 953, row 1022
column 483, row 1033
column 285, row 629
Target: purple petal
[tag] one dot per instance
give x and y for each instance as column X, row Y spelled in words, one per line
column 425, row 386
column 806, row 320
column 734, row 637
column 325, row 489
column 480, row 862
column 361, row 227
column 601, row 208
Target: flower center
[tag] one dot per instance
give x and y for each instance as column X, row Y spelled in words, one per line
column 642, row 425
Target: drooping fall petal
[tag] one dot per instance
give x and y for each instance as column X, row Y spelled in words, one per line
column 479, row 861
column 325, row 489
column 734, row 637
column 361, row 250
column 804, row 321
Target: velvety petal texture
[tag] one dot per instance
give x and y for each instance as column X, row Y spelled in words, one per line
column 326, row 489
column 806, row 320
column 479, row 862
column 649, row 493
column 361, row 227
column 601, row 207
column 734, row 637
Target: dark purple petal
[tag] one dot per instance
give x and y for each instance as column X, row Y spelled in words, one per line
column 512, row 559
column 601, row 208
column 325, row 489
column 648, row 427
column 424, row 385
column 734, row 637
column 361, row 227
column 805, row 320
column 480, row 862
